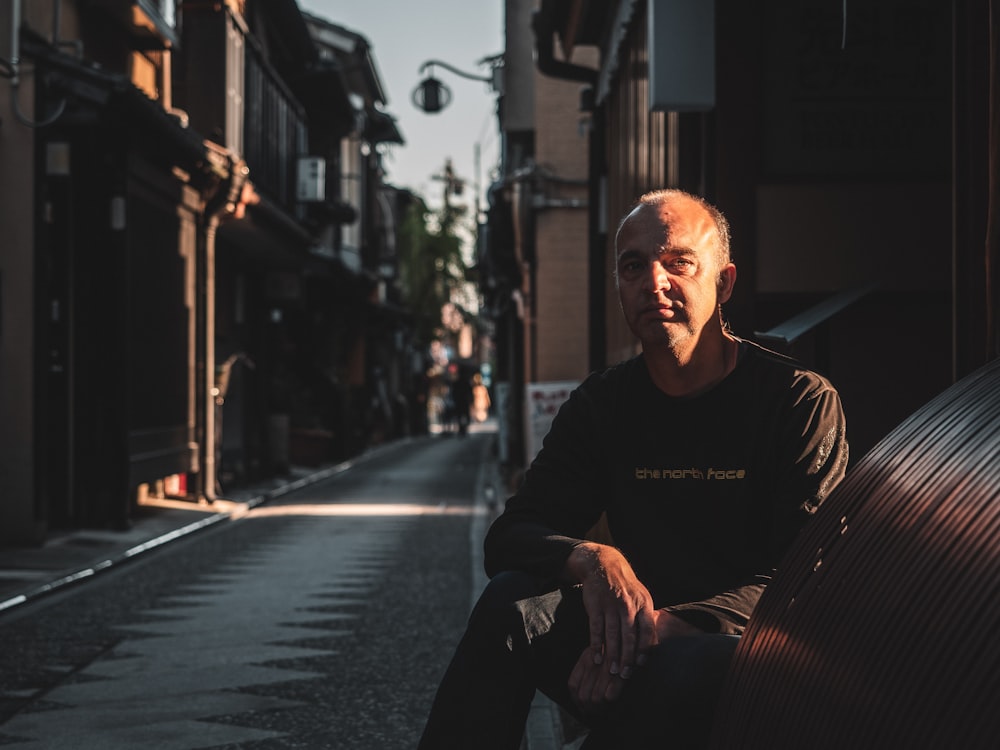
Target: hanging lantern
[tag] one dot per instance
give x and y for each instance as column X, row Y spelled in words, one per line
column 431, row 95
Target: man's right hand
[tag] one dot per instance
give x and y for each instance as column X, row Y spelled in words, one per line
column 619, row 607
column 591, row 686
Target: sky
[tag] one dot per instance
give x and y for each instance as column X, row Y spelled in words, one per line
column 403, row 35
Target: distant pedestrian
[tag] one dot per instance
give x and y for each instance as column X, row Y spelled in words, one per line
column 461, row 396
column 480, row 399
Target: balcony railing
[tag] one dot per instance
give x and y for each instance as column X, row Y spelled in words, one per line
column 274, row 131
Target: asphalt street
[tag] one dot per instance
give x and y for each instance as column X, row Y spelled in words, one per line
column 323, row 619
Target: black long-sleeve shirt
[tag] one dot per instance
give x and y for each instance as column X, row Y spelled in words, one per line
column 703, row 495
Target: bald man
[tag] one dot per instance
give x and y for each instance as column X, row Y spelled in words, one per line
column 705, row 453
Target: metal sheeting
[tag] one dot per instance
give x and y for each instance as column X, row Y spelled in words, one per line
column 882, row 627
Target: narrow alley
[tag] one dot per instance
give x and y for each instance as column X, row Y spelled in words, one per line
column 321, row 619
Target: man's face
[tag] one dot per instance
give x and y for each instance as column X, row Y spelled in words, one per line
column 670, row 282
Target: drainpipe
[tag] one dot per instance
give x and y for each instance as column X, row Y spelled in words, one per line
column 15, row 37
column 223, row 201
column 993, row 188
column 14, row 66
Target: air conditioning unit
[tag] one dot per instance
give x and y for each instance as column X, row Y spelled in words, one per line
column 311, row 179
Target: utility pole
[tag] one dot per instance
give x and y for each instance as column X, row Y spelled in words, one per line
column 453, row 185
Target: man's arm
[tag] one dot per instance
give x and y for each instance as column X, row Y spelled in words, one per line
column 623, row 624
column 562, row 495
column 542, row 531
column 619, row 607
column 811, row 460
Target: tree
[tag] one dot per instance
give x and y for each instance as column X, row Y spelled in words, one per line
column 430, row 264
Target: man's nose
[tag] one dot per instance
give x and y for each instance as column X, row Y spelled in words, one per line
column 657, row 277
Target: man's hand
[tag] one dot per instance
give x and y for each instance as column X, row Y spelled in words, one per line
column 592, row 685
column 619, row 609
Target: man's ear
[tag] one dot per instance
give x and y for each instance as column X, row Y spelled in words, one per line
column 727, row 280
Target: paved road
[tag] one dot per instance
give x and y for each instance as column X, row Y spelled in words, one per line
column 323, row 620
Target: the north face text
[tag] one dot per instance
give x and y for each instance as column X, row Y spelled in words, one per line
column 643, row 473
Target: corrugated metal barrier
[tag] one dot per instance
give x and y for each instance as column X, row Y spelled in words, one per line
column 882, row 627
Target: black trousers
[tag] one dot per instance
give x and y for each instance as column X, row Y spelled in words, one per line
column 526, row 634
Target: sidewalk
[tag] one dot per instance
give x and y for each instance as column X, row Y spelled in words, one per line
column 68, row 557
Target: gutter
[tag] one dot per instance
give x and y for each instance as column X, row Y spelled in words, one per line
column 543, row 25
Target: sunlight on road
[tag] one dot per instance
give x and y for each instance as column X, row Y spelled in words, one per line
column 238, row 510
column 362, row 509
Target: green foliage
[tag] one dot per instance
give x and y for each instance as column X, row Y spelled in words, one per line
column 430, row 264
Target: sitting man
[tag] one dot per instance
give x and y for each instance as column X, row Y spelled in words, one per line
column 705, row 453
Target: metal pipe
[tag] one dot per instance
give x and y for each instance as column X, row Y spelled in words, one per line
column 56, row 21
column 454, row 70
column 15, row 40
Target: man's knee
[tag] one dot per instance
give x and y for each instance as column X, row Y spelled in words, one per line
column 673, row 697
column 676, row 696
column 689, row 672
column 692, row 667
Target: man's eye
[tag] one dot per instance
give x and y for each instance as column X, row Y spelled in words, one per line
column 681, row 264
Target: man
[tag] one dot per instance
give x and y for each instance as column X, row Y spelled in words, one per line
column 706, row 454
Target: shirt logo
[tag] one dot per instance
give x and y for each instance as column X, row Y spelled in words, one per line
column 643, row 473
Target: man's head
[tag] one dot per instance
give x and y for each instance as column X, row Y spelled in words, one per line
column 656, row 198
column 673, row 267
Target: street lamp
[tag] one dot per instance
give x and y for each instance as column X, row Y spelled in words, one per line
column 431, row 95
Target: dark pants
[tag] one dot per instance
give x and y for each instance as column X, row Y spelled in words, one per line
column 525, row 634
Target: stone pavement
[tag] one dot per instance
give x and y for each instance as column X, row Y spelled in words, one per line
column 68, row 559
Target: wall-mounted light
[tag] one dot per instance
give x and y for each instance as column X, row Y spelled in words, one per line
column 431, row 95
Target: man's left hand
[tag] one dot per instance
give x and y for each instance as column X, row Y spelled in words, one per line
column 619, row 608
